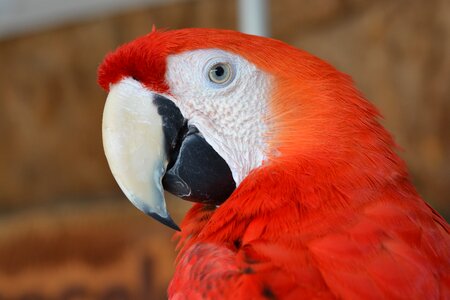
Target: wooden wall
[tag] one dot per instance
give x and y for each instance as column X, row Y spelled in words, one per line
column 65, row 229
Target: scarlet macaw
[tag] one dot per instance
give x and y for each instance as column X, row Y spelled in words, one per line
column 300, row 192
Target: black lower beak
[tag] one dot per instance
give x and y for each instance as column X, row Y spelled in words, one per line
column 196, row 172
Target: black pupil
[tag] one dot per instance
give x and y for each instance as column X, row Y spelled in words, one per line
column 219, row 71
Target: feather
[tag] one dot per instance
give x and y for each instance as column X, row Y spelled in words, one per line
column 331, row 214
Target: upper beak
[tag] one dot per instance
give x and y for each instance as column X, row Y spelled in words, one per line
column 145, row 135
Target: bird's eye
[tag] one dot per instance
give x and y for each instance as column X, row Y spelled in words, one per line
column 220, row 73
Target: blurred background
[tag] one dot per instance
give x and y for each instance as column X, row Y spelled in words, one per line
column 67, row 232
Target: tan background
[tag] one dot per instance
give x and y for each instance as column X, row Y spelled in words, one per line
column 66, row 232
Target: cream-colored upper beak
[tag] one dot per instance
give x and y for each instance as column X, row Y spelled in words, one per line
column 133, row 141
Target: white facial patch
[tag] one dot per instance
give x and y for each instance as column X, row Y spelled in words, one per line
column 231, row 116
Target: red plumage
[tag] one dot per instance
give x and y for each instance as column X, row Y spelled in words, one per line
column 331, row 214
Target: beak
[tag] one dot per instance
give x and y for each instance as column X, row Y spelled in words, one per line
column 149, row 145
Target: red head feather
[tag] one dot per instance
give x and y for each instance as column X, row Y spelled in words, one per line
column 320, row 124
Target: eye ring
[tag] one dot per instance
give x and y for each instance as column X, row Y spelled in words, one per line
column 220, row 73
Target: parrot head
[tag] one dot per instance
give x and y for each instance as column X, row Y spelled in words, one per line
column 195, row 112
